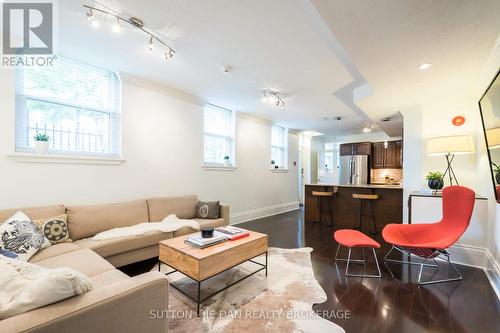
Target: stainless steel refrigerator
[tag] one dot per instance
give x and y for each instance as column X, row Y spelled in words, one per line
column 354, row 170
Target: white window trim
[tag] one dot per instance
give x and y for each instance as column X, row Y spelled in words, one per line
column 64, row 159
column 22, row 154
column 213, row 166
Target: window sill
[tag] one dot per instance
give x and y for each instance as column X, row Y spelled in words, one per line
column 64, row 159
column 280, row 170
column 219, row 167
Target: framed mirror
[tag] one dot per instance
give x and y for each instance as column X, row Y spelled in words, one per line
column 489, row 106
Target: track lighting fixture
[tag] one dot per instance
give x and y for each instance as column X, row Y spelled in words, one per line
column 170, row 54
column 367, row 129
column 151, row 45
column 90, row 15
column 274, row 97
column 117, row 26
column 133, row 21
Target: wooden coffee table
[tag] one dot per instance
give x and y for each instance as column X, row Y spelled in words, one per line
column 202, row 264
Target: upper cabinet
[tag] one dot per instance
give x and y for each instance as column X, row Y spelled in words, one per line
column 390, row 157
column 362, row 148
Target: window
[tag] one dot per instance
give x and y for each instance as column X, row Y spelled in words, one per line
column 218, row 136
column 279, row 146
column 330, row 156
column 76, row 105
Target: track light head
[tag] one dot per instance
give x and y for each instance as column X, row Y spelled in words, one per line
column 116, row 28
column 151, row 45
column 170, row 54
column 90, row 15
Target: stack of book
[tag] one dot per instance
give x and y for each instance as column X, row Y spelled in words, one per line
column 200, row 242
column 232, row 233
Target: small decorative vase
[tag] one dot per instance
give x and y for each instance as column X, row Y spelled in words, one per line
column 276, row 167
column 435, row 184
column 226, row 162
column 41, row 147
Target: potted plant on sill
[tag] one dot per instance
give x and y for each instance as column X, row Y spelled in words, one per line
column 273, row 164
column 41, row 143
column 226, row 160
column 435, row 180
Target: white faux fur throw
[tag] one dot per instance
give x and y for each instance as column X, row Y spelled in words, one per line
column 169, row 224
column 25, row 286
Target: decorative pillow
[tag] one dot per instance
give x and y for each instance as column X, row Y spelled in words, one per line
column 54, row 228
column 208, row 210
column 8, row 254
column 26, row 286
column 20, row 236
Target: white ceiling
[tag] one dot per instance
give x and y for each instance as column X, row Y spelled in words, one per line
column 320, row 57
column 388, row 39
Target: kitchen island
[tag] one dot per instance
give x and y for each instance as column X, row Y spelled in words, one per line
column 387, row 209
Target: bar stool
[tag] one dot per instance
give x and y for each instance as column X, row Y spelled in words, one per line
column 362, row 197
column 324, row 197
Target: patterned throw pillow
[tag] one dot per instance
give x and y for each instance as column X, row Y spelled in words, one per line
column 20, row 236
column 8, row 254
column 208, row 210
column 54, row 228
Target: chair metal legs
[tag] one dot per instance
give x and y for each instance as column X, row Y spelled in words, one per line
column 361, row 261
column 447, row 255
column 422, row 263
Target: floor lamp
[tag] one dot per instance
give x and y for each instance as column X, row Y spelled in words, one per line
column 449, row 146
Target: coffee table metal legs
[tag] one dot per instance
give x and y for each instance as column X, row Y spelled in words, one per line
column 199, row 300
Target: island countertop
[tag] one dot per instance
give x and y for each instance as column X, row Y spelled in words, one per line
column 394, row 187
column 343, row 209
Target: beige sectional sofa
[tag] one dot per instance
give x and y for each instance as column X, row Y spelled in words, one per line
column 117, row 303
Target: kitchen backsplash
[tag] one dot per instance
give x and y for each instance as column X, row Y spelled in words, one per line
column 378, row 175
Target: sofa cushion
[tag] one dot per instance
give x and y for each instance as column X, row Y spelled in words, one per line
column 87, row 221
column 183, row 207
column 106, row 278
column 84, row 260
column 208, row 210
column 34, row 212
column 54, row 250
column 54, row 228
column 22, row 237
column 26, row 286
column 204, row 223
column 110, row 247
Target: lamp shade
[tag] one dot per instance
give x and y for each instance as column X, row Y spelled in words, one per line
column 493, row 137
column 445, row 145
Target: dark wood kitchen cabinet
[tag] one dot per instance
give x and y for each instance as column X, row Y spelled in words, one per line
column 346, row 149
column 378, row 155
column 390, row 157
column 362, row 148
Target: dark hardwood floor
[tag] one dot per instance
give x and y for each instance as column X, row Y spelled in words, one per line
column 389, row 304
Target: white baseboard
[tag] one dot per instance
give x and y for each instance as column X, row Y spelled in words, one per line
column 258, row 213
column 478, row 257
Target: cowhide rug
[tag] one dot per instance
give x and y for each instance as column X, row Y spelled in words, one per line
column 282, row 302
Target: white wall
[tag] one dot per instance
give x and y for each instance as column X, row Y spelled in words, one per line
column 163, row 148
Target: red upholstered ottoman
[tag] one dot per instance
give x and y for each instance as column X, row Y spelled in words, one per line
column 353, row 238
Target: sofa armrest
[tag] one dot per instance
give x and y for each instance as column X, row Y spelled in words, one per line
column 123, row 306
column 224, row 213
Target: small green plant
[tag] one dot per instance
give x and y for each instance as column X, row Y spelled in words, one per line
column 226, row 158
column 436, row 175
column 496, row 168
column 41, row 137
column 273, row 162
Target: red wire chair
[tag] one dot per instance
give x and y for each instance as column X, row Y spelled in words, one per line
column 431, row 241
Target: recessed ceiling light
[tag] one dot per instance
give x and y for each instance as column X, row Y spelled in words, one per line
column 424, row 66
